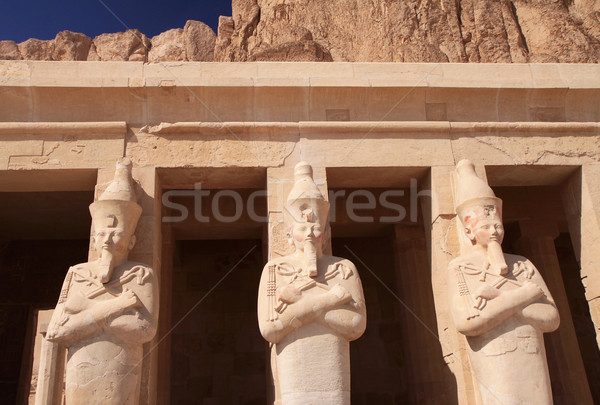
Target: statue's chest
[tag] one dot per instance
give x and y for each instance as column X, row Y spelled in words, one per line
column 476, row 276
column 293, row 276
column 84, row 292
column 501, row 283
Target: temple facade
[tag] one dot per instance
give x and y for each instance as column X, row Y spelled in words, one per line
column 213, row 148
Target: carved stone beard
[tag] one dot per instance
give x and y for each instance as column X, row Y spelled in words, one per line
column 310, row 258
column 496, row 258
column 105, row 265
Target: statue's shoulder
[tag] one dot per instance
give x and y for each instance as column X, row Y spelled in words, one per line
column 79, row 271
column 131, row 265
column 276, row 261
column 81, row 266
column 338, row 267
column 139, row 268
column 510, row 259
column 334, row 260
column 461, row 260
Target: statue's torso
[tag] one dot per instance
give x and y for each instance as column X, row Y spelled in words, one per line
column 509, row 361
column 313, row 362
column 102, row 368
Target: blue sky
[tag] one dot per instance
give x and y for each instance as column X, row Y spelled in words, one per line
column 43, row 19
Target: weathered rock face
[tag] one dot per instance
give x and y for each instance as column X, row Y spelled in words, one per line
column 9, row 51
column 195, row 42
column 66, row 45
column 130, row 45
column 414, row 30
column 36, row 49
column 488, row 31
column 71, row 46
column 199, row 40
column 168, row 46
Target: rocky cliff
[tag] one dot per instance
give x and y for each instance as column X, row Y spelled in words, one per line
column 499, row 31
column 195, row 42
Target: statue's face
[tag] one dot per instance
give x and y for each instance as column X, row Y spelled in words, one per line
column 485, row 231
column 116, row 240
column 306, row 231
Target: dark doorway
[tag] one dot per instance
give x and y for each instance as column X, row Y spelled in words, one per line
column 398, row 360
column 42, row 234
column 217, row 353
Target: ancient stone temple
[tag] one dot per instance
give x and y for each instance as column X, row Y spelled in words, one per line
column 301, row 231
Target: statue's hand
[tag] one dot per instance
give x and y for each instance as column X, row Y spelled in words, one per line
column 484, row 294
column 487, row 292
column 531, row 291
column 290, row 294
column 52, row 334
column 340, row 294
column 128, row 299
column 524, row 267
column 528, row 270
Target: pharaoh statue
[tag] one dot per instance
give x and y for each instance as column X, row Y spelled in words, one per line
column 107, row 308
column 310, row 306
column 499, row 301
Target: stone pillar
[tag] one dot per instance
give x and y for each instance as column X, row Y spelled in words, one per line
column 431, row 381
column 164, row 318
column 443, row 244
column 49, row 390
column 149, row 250
column 581, row 200
column 537, row 244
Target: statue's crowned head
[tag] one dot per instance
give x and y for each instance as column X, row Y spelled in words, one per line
column 306, row 212
column 475, row 200
column 305, row 203
column 480, row 213
column 115, row 216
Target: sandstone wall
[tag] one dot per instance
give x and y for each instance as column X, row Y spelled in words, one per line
column 488, row 31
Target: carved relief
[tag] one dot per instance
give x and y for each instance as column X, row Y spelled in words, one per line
column 310, row 305
column 108, row 308
column 500, row 302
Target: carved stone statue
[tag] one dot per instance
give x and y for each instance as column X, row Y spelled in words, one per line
column 108, row 308
column 500, row 302
column 310, row 306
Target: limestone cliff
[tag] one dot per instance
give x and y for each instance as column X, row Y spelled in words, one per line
column 415, row 30
column 498, row 31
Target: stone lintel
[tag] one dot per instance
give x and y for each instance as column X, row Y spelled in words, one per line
column 376, row 127
column 314, row 74
column 63, row 128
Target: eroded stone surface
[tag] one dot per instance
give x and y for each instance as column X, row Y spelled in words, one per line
column 199, row 41
column 487, row 31
column 130, row 45
column 9, row 50
column 168, row 46
column 414, row 31
column 71, row 46
column 549, row 149
column 263, row 149
column 35, row 49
